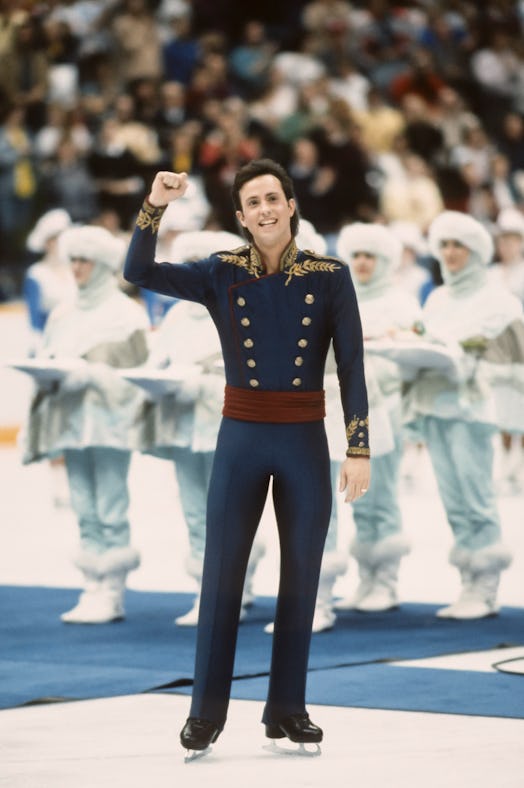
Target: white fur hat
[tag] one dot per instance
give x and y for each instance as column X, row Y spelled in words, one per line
column 50, row 225
column 457, row 226
column 93, row 243
column 203, row 243
column 510, row 220
column 308, row 238
column 374, row 239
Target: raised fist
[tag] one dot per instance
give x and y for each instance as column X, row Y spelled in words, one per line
column 167, row 186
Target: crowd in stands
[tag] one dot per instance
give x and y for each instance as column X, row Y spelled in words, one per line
column 381, row 110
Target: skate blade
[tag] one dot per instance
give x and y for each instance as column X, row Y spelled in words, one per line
column 195, row 755
column 301, row 750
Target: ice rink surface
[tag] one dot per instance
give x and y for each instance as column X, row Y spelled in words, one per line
column 133, row 741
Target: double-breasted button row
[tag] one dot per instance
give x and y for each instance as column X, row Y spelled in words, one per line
column 248, row 342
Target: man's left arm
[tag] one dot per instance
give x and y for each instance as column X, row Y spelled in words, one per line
column 349, row 354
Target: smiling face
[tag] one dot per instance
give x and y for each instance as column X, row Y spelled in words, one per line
column 363, row 266
column 266, row 213
column 454, row 255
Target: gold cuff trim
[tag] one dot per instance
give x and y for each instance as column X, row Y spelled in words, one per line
column 149, row 216
column 354, row 451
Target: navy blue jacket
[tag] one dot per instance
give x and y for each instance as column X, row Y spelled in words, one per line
column 275, row 329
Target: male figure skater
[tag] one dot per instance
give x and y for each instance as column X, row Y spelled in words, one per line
column 276, row 309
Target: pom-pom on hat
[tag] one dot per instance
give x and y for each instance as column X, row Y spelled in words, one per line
column 50, row 225
column 457, row 226
column 93, row 243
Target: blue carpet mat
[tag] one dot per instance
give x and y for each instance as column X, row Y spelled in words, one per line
column 381, row 686
column 41, row 658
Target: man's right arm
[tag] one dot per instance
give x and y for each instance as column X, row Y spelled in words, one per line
column 186, row 280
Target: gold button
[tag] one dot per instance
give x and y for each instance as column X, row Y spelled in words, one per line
column 297, row 381
column 306, row 321
column 299, row 361
column 361, row 435
column 252, row 363
column 361, row 423
column 302, row 343
column 310, row 298
column 360, row 444
column 246, row 321
column 241, row 301
column 248, row 343
column 254, row 383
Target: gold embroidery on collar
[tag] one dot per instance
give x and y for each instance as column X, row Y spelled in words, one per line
column 310, row 267
column 150, row 216
column 286, row 261
column 248, row 257
column 243, row 258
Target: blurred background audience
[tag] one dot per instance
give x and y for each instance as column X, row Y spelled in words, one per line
column 383, row 111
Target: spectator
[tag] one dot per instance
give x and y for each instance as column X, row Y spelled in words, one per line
column 137, row 49
column 420, row 79
column 24, row 72
column 350, row 85
column 411, row 194
column 117, row 170
column 181, row 51
column 250, row 61
column 172, row 112
column 496, row 69
column 60, row 123
column 68, row 183
column 380, row 124
column 423, row 135
column 18, row 185
column 314, row 184
column 341, row 150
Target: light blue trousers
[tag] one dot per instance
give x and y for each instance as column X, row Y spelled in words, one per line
column 99, row 496
column 462, row 458
column 193, row 472
column 377, row 514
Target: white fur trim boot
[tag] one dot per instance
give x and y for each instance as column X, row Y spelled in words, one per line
column 115, row 566
column 105, row 574
column 333, row 565
column 378, row 565
column 384, row 557
column 361, row 551
column 194, row 566
column 480, row 574
column 82, row 612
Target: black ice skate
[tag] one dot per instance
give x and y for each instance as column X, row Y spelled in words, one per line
column 197, row 736
column 299, row 729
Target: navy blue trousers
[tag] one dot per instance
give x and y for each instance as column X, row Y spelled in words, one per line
column 247, row 456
